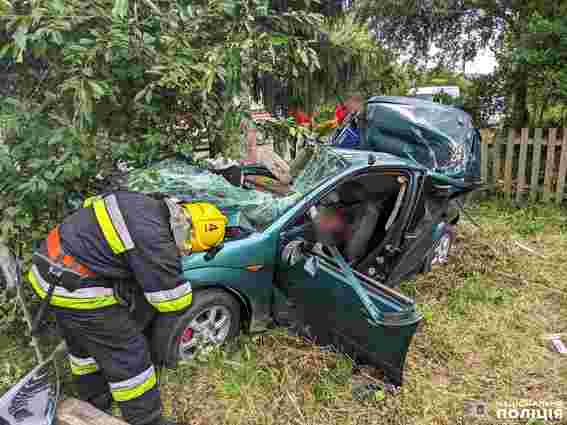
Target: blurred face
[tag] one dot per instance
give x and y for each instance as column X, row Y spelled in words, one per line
column 331, row 220
column 354, row 104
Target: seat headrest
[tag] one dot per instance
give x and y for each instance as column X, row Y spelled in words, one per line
column 351, row 192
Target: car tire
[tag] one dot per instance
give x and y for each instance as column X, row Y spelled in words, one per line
column 173, row 339
column 440, row 252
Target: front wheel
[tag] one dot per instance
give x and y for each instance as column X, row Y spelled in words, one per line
column 212, row 320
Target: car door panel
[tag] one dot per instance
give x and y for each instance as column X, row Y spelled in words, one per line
column 333, row 312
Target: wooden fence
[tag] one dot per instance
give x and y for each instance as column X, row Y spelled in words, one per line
column 526, row 164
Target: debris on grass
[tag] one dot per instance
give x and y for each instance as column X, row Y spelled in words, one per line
column 558, row 344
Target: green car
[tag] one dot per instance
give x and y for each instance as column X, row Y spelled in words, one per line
column 276, row 267
column 278, row 264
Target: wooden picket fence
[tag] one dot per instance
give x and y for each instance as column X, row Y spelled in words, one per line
column 526, row 164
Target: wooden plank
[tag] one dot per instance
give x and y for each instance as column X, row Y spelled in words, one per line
column 77, row 412
column 549, row 164
column 484, row 163
column 518, row 141
column 508, row 164
column 521, row 183
column 536, row 163
column 497, row 173
column 562, row 170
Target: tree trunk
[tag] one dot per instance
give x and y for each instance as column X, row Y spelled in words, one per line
column 520, row 113
column 541, row 112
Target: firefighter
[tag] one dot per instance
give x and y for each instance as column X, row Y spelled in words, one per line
column 118, row 240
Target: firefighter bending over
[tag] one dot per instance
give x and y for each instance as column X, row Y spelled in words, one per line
column 120, row 239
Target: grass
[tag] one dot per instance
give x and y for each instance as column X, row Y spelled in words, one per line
column 486, row 314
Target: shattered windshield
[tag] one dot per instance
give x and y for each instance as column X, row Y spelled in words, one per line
column 179, row 177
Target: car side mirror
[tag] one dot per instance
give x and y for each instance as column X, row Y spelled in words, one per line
column 9, row 270
column 293, row 252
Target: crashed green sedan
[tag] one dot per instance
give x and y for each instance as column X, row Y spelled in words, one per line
column 277, row 266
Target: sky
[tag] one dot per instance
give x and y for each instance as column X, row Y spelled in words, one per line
column 484, row 63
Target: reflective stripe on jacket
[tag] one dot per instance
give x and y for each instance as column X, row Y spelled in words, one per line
column 171, row 300
column 86, row 298
column 81, row 299
column 111, row 222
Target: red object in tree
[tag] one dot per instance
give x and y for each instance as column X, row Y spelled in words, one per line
column 301, row 118
column 340, row 113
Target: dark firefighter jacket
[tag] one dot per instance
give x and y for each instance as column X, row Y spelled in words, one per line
column 121, row 236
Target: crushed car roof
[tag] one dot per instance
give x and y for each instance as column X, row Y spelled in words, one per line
column 361, row 157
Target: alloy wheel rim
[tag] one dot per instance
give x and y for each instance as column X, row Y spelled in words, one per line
column 209, row 329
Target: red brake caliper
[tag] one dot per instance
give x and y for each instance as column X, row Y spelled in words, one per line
column 187, row 335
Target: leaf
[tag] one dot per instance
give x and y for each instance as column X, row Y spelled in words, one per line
column 57, row 38
column 5, row 7
column 58, row 5
column 97, row 89
column 21, row 37
column 20, row 56
column 4, row 50
column 229, row 7
column 279, row 39
column 86, row 42
column 379, row 395
column 42, row 186
column 120, row 9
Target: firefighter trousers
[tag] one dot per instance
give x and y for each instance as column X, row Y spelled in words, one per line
column 109, row 355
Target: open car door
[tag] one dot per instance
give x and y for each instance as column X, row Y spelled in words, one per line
column 340, row 307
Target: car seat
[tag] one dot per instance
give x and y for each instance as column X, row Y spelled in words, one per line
column 363, row 219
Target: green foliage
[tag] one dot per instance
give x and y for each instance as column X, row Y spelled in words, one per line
column 461, row 299
column 330, row 380
column 543, row 50
column 349, row 60
column 114, row 80
column 40, row 162
column 119, row 76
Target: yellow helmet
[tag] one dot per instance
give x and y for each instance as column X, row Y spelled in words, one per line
column 208, row 225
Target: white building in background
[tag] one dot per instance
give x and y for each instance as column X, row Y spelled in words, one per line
column 427, row 93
